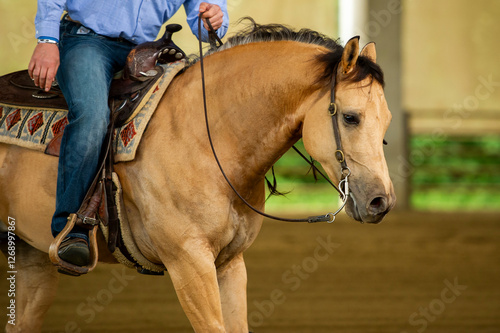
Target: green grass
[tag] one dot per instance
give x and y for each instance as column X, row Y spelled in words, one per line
column 317, row 199
column 304, row 193
column 457, row 198
column 460, row 173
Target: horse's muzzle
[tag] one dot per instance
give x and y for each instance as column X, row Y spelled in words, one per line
column 375, row 210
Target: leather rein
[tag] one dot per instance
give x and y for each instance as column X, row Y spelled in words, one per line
column 342, row 188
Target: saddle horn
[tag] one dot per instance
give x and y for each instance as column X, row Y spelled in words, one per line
column 142, row 60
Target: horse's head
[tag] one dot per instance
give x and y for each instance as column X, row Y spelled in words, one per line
column 363, row 118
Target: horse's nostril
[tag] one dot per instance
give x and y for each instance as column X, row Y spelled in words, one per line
column 377, row 202
column 378, row 205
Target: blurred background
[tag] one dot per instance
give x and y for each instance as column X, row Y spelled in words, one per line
column 441, row 61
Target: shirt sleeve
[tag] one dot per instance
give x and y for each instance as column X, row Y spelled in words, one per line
column 192, row 9
column 48, row 17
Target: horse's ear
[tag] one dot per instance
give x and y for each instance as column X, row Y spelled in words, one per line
column 369, row 51
column 350, row 55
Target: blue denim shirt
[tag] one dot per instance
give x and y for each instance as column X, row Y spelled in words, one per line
column 135, row 20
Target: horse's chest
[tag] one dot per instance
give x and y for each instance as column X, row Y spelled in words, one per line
column 243, row 235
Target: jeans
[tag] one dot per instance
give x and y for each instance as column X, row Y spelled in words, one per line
column 88, row 62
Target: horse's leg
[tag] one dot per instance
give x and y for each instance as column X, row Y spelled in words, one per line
column 194, row 278
column 36, row 285
column 233, row 284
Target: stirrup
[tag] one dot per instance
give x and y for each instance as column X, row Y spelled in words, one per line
column 66, row 267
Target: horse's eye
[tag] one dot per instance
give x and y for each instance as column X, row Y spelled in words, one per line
column 351, row 119
column 384, row 142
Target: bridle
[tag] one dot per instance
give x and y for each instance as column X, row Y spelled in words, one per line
column 345, row 172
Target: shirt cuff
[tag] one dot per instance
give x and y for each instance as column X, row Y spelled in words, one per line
column 48, row 37
column 48, row 29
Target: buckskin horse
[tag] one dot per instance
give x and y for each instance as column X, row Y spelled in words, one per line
column 266, row 88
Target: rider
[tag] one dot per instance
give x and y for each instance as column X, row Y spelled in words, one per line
column 85, row 48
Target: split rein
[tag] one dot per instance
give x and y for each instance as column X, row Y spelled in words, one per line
column 343, row 187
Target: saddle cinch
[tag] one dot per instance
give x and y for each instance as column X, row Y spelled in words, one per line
column 127, row 91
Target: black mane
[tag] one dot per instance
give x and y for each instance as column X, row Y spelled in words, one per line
column 255, row 32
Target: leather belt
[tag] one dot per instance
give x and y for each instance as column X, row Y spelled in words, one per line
column 116, row 39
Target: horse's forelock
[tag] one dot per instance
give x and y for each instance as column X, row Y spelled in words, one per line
column 364, row 68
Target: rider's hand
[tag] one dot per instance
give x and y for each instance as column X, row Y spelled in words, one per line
column 43, row 65
column 213, row 13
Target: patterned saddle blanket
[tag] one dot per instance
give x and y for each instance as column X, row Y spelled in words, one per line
column 34, row 127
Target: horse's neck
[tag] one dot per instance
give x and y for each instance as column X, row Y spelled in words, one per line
column 260, row 88
column 257, row 95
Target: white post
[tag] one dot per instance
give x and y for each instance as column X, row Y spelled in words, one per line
column 353, row 15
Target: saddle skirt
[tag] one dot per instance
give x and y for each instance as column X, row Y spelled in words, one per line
column 32, row 123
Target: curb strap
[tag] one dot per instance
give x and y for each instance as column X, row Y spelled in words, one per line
column 330, row 217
